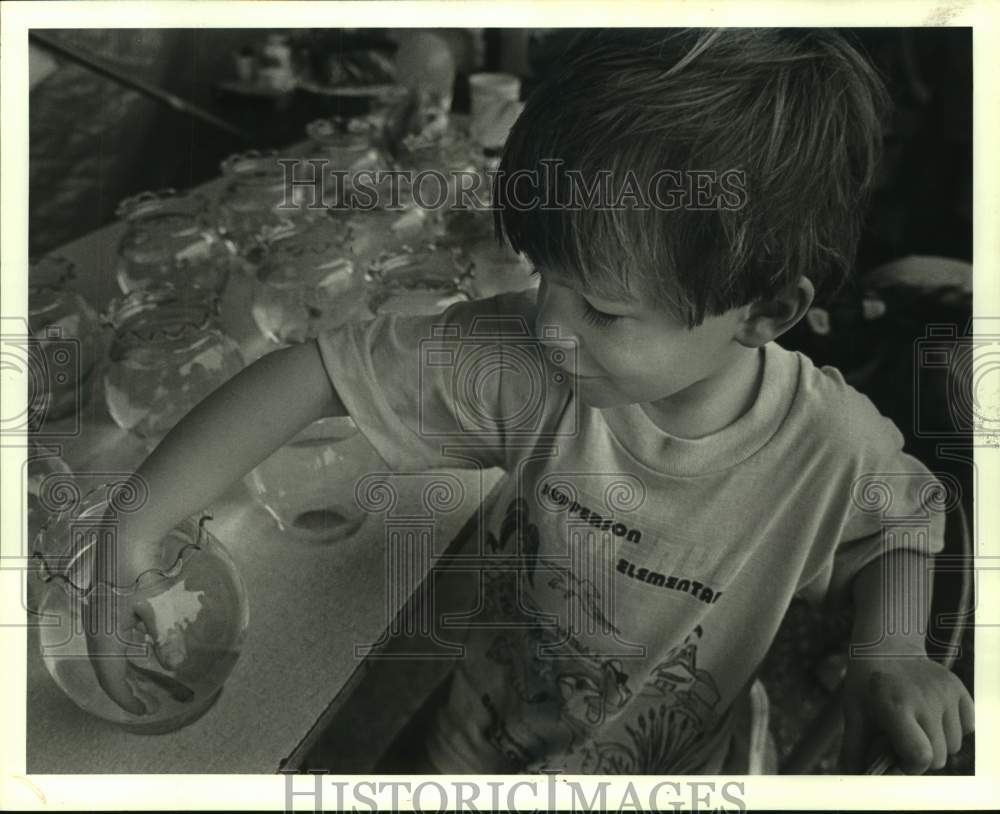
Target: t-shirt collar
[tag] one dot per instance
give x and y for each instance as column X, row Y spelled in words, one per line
column 668, row 454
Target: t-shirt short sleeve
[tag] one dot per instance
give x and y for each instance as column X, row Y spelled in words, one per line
column 895, row 503
column 447, row 389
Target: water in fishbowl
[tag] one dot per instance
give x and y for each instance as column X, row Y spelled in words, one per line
column 198, row 601
column 168, row 240
column 418, row 282
column 308, row 485
column 147, row 396
column 309, row 281
column 495, row 268
column 389, row 230
column 67, row 339
column 168, row 354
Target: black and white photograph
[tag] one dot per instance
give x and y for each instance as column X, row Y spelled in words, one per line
column 600, row 408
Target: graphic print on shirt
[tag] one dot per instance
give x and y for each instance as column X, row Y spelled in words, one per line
column 566, row 698
column 588, row 700
column 679, row 714
column 516, row 523
column 516, row 551
column 570, row 690
column 647, row 564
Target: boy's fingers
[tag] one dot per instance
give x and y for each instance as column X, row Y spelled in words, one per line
column 112, row 673
column 143, row 693
column 914, row 751
column 107, row 650
column 952, row 725
column 934, row 730
column 910, row 743
column 852, row 751
column 967, row 712
column 168, row 644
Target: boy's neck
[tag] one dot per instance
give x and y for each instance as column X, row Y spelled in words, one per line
column 713, row 403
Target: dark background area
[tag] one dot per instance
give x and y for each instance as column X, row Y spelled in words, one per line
column 94, row 142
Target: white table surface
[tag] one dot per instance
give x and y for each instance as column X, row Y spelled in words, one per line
column 309, row 605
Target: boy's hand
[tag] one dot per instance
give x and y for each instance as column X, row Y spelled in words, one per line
column 124, row 635
column 214, row 445
column 114, row 622
column 921, row 708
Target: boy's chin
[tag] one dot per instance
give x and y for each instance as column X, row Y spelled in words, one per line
column 600, row 398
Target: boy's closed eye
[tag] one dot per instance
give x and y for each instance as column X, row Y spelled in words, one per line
column 597, row 317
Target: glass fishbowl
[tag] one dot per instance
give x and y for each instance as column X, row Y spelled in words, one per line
column 49, row 482
column 66, row 338
column 168, row 354
column 309, row 280
column 440, row 165
column 390, row 229
column 308, row 486
column 259, row 202
column 193, row 593
column 418, row 281
column 350, row 143
column 168, row 240
column 494, row 268
column 497, row 270
column 357, row 172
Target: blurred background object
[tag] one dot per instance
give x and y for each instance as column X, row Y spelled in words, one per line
column 494, row 105
column 95, row 142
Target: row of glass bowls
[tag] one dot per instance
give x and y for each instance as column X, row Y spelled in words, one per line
column 160, row 349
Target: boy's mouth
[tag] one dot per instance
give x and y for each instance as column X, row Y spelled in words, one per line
column 572, row 375
column 576, row 377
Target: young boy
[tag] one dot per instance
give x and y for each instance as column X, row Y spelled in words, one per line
column 675, row 478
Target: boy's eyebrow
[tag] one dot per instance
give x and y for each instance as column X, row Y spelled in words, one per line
column 570, row 281
column 612, row 305
column 597, row 300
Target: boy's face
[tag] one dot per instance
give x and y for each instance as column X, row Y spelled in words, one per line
column 641, row 355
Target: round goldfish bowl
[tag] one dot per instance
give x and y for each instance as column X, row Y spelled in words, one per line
column 194, row 598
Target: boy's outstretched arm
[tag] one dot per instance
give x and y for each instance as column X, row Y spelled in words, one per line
column 219, row 441
column 892, row 688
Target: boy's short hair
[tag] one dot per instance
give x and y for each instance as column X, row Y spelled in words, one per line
column 798, row 111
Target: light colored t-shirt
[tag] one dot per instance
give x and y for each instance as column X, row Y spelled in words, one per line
column 629, row 582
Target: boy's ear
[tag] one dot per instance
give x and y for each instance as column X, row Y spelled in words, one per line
column 768, row 319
